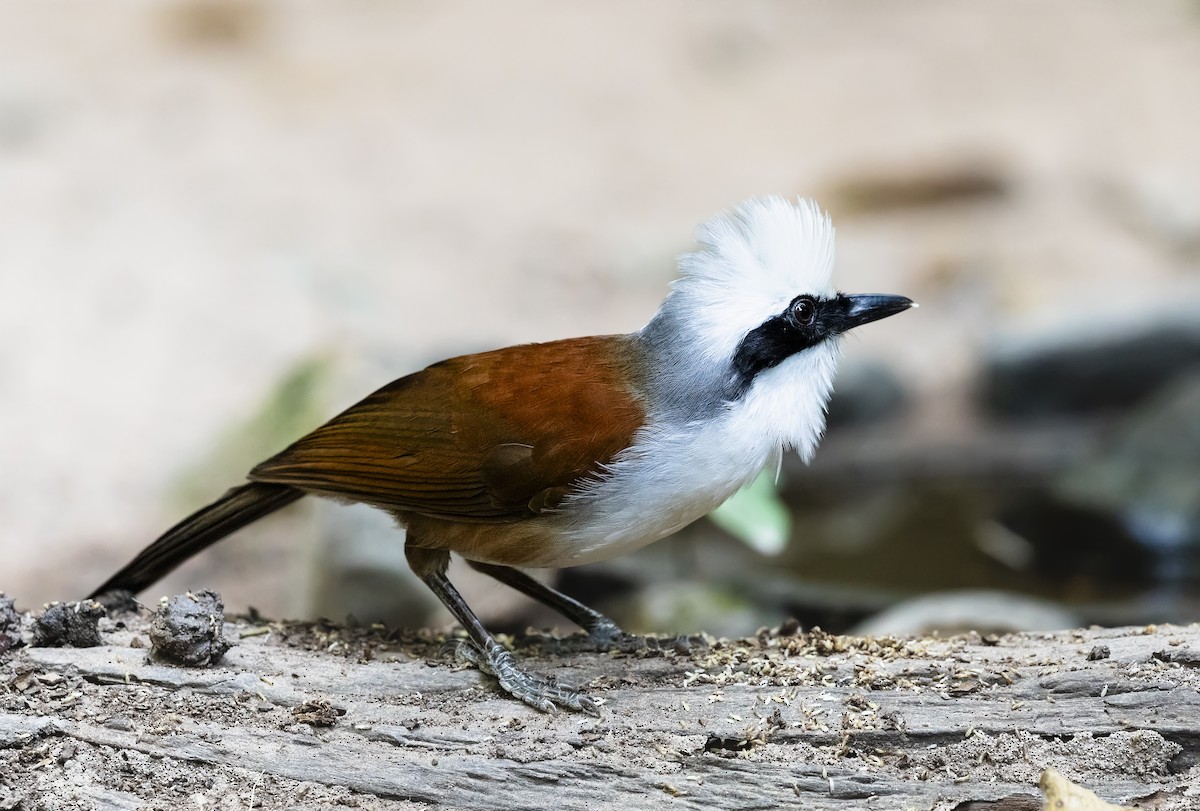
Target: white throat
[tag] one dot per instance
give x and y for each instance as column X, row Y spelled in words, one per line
column 676, row 472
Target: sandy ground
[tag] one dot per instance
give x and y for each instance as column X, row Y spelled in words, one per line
column 196, row 196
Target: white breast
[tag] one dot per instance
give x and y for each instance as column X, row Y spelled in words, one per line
column 676, row 473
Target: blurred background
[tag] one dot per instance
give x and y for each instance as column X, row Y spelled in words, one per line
column 222, row 221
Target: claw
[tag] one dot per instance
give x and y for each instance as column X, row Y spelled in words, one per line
column 588, row 705
column 537, row 691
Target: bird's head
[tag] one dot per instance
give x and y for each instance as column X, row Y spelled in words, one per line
column 756, row 302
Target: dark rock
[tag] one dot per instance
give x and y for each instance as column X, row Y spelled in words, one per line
column 865, row 393
column 1123, row 520
column 73, row 625
column 188, row 629
column 10, row 625
column 1081, row 542
column 1086, row 374
column 1099, row 652
column 1147, row 474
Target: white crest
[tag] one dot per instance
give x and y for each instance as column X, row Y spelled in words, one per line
column 751, row 262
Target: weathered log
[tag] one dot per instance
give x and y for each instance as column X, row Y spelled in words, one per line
column 313, row 716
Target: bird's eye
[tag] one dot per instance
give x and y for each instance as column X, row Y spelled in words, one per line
column 804, row 310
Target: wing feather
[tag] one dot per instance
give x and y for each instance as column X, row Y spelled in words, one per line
column 497, row 436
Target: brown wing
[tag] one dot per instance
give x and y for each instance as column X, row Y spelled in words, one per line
column 497, row 436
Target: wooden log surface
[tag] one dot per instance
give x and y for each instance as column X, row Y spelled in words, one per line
column 317, row 716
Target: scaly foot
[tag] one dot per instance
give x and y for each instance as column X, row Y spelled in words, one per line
column 537, row 691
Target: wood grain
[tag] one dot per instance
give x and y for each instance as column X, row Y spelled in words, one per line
column 825, row 722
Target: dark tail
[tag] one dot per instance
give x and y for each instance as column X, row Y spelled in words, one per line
column 234, row 510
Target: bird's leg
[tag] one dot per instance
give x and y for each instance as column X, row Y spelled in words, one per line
column 602, row 631
column 487, row 654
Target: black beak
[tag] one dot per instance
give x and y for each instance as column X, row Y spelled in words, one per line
column 867, row 308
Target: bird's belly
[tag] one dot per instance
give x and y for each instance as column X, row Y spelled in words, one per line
column 572, row 537
column 647, row 496
column 666, row 482
column 602, row 536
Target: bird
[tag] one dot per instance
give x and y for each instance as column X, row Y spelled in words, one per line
column 557, row 454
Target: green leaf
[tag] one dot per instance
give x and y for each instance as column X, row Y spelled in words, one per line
column 757, row 516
